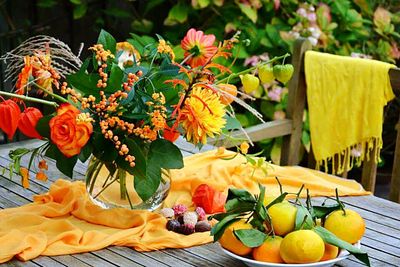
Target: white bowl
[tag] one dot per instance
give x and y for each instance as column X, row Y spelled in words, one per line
column 343, row 254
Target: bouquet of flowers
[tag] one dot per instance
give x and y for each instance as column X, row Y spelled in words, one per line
column 123, row 107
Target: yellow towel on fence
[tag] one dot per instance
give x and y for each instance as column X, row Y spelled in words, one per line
column 346, row 97
column 64, row 221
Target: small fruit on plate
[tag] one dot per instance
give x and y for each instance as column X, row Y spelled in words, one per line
column 331, row 252
column 229, row 241
column 250, row 82
column 302, row 246
column 283, row 217
column 269, row 251
column 266, row 74
column 348, row 225
column 202, row 226
column 283, row 73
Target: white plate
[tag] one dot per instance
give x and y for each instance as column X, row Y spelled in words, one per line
column 253, row 263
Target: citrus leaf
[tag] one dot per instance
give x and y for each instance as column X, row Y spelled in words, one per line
column 303, row 218
column 242, row 194
column 218, row 230
column 277, row 200
column 330, row 238
column 323, row 211
column 250, row 237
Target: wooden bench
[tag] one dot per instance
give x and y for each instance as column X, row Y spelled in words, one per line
column 291, row 128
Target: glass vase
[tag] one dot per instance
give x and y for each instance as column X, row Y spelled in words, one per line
column 113, row 187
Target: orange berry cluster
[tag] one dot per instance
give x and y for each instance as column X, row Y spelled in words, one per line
column 158, row 115
column 102, row 83
column 115, row 122
column 101, row 53
column 65, row 89
column 132, row 78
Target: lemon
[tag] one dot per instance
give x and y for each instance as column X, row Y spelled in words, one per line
column 229, row 241
column 283, row 217
column 269, row 251
column 348, row 226
column 302, row 246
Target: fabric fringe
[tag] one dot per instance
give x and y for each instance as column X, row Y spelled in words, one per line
column 345, row 161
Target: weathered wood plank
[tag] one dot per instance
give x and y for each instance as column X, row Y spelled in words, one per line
column 208, row 252
column 115, row 258
column 296, row 103
column 138, row 257
column 270, row 129
column 395, row 182
column 167, row 259
column 17, row 263
column 189, row 257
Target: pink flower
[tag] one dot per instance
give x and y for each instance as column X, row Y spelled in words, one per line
column 275, row 94
column 200, row 46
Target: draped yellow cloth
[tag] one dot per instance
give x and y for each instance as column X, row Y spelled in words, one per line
column 346, row 97
column 64, row 221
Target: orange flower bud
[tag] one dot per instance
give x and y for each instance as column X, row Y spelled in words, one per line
column 170, row 134
column 24, row 177
column 41, row 176
column 9, row 117
column 28, row 121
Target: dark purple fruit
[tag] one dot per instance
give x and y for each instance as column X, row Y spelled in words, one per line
column 173, row 225
column 202, row 226
column 186, row 229
column 180, row 219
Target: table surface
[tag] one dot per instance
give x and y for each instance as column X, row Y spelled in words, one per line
column 381, row 240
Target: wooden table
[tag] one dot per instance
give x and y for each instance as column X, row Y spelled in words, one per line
column 381, row 240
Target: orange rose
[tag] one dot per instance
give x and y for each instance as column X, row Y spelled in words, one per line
column 68, row 132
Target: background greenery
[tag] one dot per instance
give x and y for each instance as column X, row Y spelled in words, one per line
column 363, row 28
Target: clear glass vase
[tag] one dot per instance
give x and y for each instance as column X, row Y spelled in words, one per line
column 115, row 189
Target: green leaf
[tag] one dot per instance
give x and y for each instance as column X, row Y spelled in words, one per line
column 231, row 123
column 218, row 230
column 241, row 194
column 79, row 11
column 46, row 3
column 277, row 200
column 103, row 149
column 303, row 218
column 238, row 206
column 117, row 12
column 107, row 40
column 250, row 237
column 323, row 211
column 330, row 238
column 64, row 164
column 43, row 127
column 115, row 81
column 177, row 14
column 86, row 152
column 250, row 12
column 165, row 154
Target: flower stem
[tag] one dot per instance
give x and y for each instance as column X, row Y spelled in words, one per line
column 31, row 99
column 234, row 75
column 60, row 98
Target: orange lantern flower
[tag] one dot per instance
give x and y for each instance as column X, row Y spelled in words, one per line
column 9, row 117
column 28, row 121
column 170, row 134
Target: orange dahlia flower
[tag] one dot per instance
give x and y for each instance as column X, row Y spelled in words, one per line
column 68, row 131
column 202, row 115
column 200, row 46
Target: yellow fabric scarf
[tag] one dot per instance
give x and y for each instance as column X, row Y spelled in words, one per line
column 65, row 221
column 346, row 97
